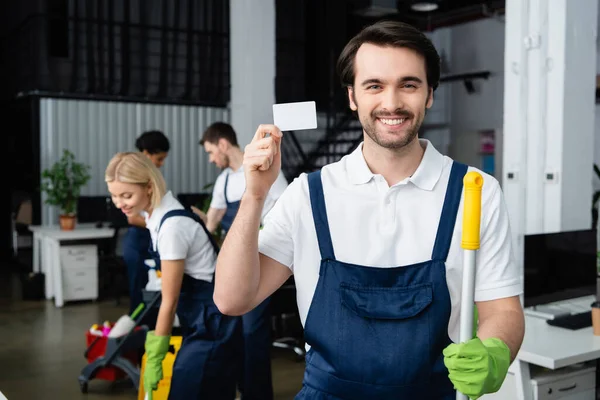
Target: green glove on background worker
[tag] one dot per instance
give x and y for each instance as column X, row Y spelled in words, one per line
column 477, row 367
column 156, row 350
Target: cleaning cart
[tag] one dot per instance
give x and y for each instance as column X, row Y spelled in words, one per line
column 473, row 182
column 116, row 357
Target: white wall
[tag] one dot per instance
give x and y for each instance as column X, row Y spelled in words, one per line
column 436, row 127
column 476, row 46
column 252, row 66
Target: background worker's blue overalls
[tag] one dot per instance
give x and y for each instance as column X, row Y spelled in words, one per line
column 255, row 382
column 378, row 333
column 136, row 243
column 207, row 364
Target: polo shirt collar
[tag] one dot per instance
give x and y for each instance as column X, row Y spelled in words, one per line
column 168, row 202
column 425, row 177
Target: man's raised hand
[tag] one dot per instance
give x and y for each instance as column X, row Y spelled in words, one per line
column 262, row 160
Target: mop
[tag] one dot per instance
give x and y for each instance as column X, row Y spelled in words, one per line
column 473, row 182
column 125, row 323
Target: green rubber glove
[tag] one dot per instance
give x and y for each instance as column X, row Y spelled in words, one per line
column 477, row 368
column 156, row 350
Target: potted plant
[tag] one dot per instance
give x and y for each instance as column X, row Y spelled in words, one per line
column 62, row 184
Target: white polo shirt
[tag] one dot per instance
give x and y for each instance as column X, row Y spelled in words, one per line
column 236, row 185
column 181, row 238
column 375, row 225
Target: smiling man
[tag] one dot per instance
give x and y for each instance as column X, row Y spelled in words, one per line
column 373, row 242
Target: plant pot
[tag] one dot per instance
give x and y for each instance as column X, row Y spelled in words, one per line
column 67, row 222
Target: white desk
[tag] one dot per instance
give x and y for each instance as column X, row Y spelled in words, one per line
column 46, row 252
column 552, row 347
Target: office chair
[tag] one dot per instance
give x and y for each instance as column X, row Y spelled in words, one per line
column 112, row 270
column 111, row 265
column 21, row 218
column 288, row 332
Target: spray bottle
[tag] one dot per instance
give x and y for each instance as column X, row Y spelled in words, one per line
column 153, row 276
column 95, row 330
column 106, row 327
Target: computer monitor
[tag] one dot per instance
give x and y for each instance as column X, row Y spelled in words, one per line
column 559, row 266
column 99, row 209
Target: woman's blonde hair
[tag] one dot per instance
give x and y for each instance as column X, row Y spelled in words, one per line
column 135, row 167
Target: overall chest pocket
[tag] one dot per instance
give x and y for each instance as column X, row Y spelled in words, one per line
column 385, row 338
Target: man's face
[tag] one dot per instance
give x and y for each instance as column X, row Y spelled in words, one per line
column 390, row 94
column 217, row 153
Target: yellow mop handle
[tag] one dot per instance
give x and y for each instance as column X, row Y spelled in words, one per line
column 473, row 182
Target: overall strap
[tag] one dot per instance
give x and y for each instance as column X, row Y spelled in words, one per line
column 189, row 214
column 443, row 238
column 225, row 188
column 317, row 202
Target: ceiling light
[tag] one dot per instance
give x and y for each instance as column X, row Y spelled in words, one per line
column 424, row 6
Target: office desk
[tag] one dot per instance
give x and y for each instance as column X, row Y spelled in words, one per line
column 552, row 347
column 46, row 252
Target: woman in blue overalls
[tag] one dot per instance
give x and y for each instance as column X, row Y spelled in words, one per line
column 206, row 365
column 155, row 145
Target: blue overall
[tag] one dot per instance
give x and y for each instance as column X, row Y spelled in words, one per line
column 136, row 243
column 208, row 362
column 255, row 382
column 231, row 211
column 378, row 333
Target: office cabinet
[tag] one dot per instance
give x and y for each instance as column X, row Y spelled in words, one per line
column 571, row 383
column 566, row 383
column 79, row 270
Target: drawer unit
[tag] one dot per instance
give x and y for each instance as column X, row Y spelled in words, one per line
column 80, row 283
column 576, row 384
column 79, row 256
column 79, row 270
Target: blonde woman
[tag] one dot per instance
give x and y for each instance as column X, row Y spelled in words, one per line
column 207, row 363
column 154, row 145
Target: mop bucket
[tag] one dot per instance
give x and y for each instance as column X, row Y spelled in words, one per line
column 473, row 182
column 162, row 392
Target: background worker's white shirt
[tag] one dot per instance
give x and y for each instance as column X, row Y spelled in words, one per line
column 236, row 186
column 182, row 238
column 375, row 225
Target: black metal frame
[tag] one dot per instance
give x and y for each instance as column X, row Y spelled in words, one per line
column 183, row 59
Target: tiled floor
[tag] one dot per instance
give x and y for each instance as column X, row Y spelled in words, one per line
column 41, row 350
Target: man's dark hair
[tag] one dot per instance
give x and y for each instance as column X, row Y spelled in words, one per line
column 393, row 34
column 153, row 142
column 219, row 130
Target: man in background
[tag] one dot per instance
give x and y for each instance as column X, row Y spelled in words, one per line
column 221, row 144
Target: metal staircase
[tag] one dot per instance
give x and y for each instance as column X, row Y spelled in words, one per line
column 340, row 137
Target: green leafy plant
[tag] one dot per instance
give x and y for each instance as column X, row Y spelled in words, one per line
column 62, row 182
